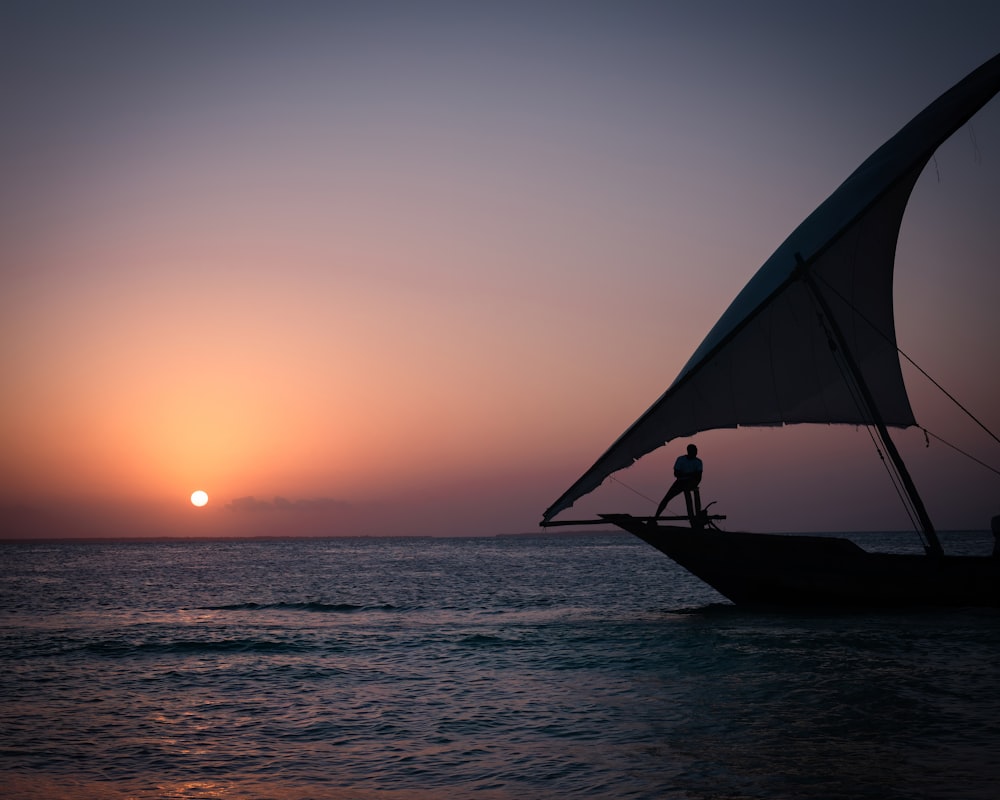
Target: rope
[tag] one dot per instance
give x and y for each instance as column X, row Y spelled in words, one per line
column 948, row 394
column 893, row 474
column 614, row 479
column 634, row 491
column 923, row 372
column 957, row 449
column 916, row 366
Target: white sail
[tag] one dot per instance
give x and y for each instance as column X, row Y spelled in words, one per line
column 769, row 360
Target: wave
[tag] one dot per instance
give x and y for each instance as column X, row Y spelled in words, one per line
column 189, row 646
column 485, row 640
column 314, row 607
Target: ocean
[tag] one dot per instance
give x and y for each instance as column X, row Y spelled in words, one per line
column 505, row 668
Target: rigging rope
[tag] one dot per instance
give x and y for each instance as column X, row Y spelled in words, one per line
column 899, row 350
column 894, row 478
column 634, row 491
column 976, row 155
column 959, row 450
column 948, row 394
column 910, row 507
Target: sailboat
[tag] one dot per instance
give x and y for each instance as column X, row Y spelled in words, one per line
column 811, row 339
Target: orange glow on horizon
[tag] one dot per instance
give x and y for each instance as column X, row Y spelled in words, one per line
column 434, row 291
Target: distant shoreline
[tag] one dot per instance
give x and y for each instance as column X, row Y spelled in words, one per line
column 278, row 538
column 5, row 540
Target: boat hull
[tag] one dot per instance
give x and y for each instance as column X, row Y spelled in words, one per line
column 782, row 570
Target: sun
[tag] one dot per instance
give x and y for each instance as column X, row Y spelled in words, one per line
column 199, row 498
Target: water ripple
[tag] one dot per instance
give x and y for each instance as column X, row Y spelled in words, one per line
column 544, row 668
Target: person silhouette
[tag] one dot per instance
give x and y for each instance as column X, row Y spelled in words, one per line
column 687, row 475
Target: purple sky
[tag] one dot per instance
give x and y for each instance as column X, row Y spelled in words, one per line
column 411, row 267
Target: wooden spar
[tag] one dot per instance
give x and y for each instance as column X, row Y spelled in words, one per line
column 933, row 543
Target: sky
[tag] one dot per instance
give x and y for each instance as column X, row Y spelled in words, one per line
column 409, row 268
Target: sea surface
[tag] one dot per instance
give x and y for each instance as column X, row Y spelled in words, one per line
column 502, row 668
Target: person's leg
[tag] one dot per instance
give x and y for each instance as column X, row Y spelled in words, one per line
column 672, row 492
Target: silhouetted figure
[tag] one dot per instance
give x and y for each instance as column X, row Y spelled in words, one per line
column 995, row 525
column 687, row 474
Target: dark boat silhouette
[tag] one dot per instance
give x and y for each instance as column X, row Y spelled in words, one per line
column 811, row 339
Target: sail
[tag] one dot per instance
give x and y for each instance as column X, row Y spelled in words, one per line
column 769, row 360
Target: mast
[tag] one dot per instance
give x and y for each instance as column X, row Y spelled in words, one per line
column 933, row 545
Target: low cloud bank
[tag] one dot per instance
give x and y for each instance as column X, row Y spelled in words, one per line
column 252, row 504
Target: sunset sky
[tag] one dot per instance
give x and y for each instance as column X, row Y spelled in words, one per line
column 409, row 268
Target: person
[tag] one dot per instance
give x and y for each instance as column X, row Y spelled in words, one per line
column 687, row 474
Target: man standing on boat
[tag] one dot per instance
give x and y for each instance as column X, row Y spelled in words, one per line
column 687, row 474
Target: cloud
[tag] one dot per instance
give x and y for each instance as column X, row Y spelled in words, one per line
column 314, row 504
column 249, row 504
column 252, row 504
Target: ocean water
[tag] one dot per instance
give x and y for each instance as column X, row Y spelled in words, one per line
column 493, row 668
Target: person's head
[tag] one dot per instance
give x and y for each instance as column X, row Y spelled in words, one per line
column 692, row 451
